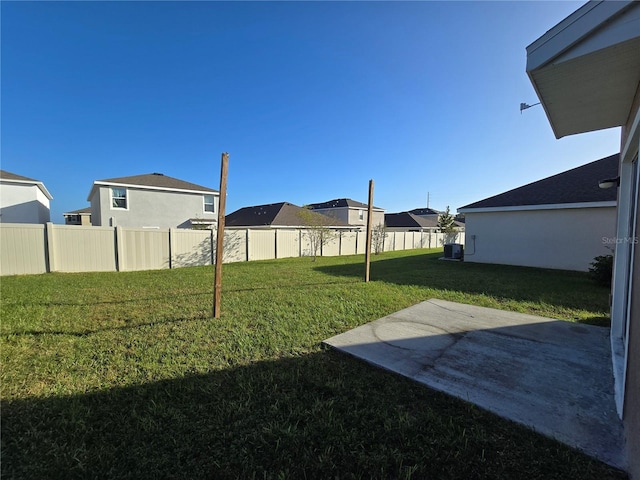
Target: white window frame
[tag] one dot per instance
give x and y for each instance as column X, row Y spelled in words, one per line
column 213, row 203
column 360, row 214
column 112, row 198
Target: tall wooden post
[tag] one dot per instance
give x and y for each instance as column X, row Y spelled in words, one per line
column 367, row 255
column 217, row 280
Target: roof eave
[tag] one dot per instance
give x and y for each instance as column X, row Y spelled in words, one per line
column 549, row 206
column 598, row 41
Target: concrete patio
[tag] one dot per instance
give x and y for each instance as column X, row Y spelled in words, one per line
column 552, row 376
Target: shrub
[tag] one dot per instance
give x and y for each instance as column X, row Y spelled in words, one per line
column 601, row 269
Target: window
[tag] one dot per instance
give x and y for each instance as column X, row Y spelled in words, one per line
column 209, row 205
column 118, row 197
column 361, row 215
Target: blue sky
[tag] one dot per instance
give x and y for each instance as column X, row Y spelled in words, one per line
column 310, row 99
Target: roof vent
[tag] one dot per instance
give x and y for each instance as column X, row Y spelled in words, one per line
column 155, row 173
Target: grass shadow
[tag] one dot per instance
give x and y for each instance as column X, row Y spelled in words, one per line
column 560, row 288
column 312, row 416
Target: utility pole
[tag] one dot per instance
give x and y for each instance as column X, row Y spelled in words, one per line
column 217, row 279
column 367, row 255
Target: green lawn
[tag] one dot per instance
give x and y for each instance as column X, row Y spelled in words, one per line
column 127, row 375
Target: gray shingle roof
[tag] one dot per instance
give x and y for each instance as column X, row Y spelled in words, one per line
column 283, row 214
column 13, row 176
column 339, row 203
column 425, row 211
column 158, row 180
column 79, row 211
column 578, row 185
column 409, row 220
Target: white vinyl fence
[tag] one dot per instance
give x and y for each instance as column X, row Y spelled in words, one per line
column 29, row 249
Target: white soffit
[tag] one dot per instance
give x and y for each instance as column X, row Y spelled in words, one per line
column 587, row 68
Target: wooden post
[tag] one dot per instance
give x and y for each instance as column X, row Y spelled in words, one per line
column 217, row 280
column 367, row 255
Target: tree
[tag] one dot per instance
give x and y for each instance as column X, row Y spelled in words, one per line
column 316, row 230
column 446, row 222
column 378, row 236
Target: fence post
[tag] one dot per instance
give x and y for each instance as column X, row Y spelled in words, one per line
column 50, row 248
column 247, row 245
column 172, row 234
column 275, row 240
column 120, row 266
column 212, row 242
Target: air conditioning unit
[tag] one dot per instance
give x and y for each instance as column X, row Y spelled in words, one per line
column 453, row 251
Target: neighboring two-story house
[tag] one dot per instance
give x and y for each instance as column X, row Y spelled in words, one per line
column 349, row 211
column 23, row 199
column 152, row 200
column 78, row 217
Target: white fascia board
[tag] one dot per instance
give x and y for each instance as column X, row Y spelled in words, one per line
column 628, row 150
column 572, row 30
column 148, row 187
column 555, row 206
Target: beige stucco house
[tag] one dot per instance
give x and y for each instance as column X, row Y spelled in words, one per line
column 23, row 199
column 349, row 211
column 81, row 216
column 152, row 200
column 586, row 73
column 562, row 222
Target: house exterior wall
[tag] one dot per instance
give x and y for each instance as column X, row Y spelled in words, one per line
column 630, row 146
column 23, row 204
column 351, row 215
column 150, row 208
column 566, row 239
column 631, row 413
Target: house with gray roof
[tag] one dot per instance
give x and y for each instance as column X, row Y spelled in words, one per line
column 412, row 222
column 560, row 222
column 281, row 215
column 349, row 211
column 82, row 216
column 407, row 221
column 152, row 200
column 23, row 199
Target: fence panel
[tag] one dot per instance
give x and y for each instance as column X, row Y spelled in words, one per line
column 82, row 248
column 22, row 249
column 143, row 249
column 348, row 242
column 29, row 248
column 361, row 242
column 262, row 244
column 191, row 248
column 390, row 242
column 416, row 241
column 287, row 243
column 332, row 247
column 235, row 246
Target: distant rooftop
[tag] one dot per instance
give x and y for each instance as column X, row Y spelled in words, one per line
column 157, row 180
column 425, row 211
column 408, row 220
column 80, row 211
column 339, row 203
column 282, row 214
